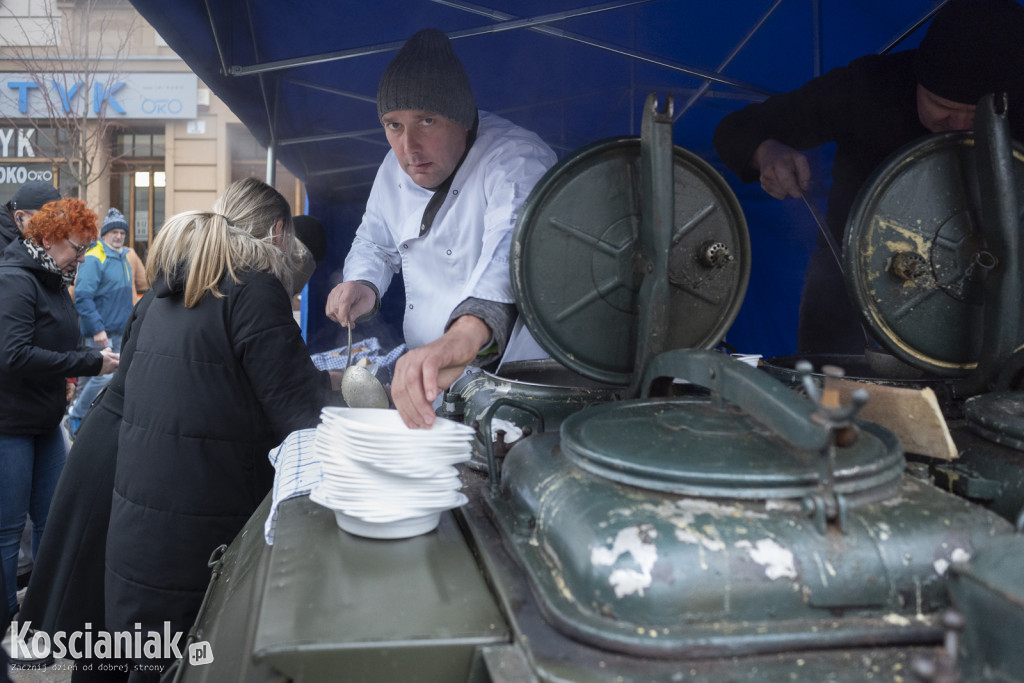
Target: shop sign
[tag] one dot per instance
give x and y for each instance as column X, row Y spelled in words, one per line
column 120, row 96
column 9, row 173
column 14, row 175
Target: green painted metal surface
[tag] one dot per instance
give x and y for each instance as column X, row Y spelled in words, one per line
column 339, row 607
column 545, row 385
column 988, row 592
column 986, row 473
column 581, row 258
column 555, row 656
column 228, row 620
column 641, row 571
column 918, row 258
column 693, row 447
column 753, row 438
column 998, row 417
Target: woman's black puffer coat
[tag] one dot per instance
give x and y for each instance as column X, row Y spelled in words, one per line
column 38, row 345
column 210, row 391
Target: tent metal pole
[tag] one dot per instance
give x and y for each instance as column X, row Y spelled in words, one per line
column 910, row 29
column 329, row 136
column 732, row 55
column 216, row 39
column 509, row 24
column 633, row 54
column 269, row 107
column 818, row 45
column 271, row 165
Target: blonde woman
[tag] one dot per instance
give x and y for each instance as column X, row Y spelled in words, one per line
column 219, row 375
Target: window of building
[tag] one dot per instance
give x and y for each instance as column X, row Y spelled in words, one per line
column 249, row 160
column 138, row 185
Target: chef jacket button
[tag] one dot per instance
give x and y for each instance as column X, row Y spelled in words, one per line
column 405, row 246
column 455, row 193
column 449, row 252
column 410, row 307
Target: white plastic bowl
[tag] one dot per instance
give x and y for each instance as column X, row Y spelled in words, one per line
column 404, row 528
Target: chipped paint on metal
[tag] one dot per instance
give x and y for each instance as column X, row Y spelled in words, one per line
column 959, row 555
column 942, row 564
column 825, row 568
column 776, row 560
column 896, row 619
column 636, row 542
column 562, row 587
column 692, row 536
column 512, row 432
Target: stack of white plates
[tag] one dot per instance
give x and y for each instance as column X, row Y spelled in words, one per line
column 384, row 480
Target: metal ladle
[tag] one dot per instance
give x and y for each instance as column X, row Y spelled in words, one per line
column 359, row 387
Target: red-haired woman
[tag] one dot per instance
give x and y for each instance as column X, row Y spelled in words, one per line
column 38, row 350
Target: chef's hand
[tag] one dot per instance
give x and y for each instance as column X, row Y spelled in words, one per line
column 424, row 372
column 349, row 301
column 110, row 361
column 784, row 171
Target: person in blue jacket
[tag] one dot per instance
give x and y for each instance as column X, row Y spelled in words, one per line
column 103, row 297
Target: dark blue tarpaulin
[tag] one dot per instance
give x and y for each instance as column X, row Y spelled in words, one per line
column 302, row 75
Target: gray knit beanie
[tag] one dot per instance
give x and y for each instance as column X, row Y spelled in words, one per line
column 427, row 74
column 114, row 221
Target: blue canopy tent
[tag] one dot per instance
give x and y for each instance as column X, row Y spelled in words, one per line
column 302, row 75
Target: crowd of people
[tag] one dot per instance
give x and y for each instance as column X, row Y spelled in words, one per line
column 204, row 369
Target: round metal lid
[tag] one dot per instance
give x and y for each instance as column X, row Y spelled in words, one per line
column 698, row 447
column 915, row 257
column 575, row 258
column 998, row 417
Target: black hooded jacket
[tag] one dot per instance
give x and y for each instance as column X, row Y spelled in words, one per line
column 38, row 345
column 8, row 230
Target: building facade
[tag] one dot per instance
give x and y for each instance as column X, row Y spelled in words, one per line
column 94, row 101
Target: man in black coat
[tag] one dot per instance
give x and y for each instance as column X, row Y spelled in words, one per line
column 870, row 109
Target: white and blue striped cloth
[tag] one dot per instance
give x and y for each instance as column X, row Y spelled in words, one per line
column 297, row 471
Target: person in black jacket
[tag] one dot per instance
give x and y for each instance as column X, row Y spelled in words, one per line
column 218, row 377
column 38, row 350
column 15, row 214
column 870, row 109
column 65, row 592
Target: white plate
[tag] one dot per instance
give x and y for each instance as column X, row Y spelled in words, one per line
column 390, row 505
column 339, row 443
column 414, row 440
column 378, row 490
column 341, row 449
column 385, row 421
column 388, row 472
column 341, row 497
column 406, row 468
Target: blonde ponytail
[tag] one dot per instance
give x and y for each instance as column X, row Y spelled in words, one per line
column 238, row 235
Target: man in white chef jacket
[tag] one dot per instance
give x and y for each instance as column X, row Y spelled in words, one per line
column 441, row 211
